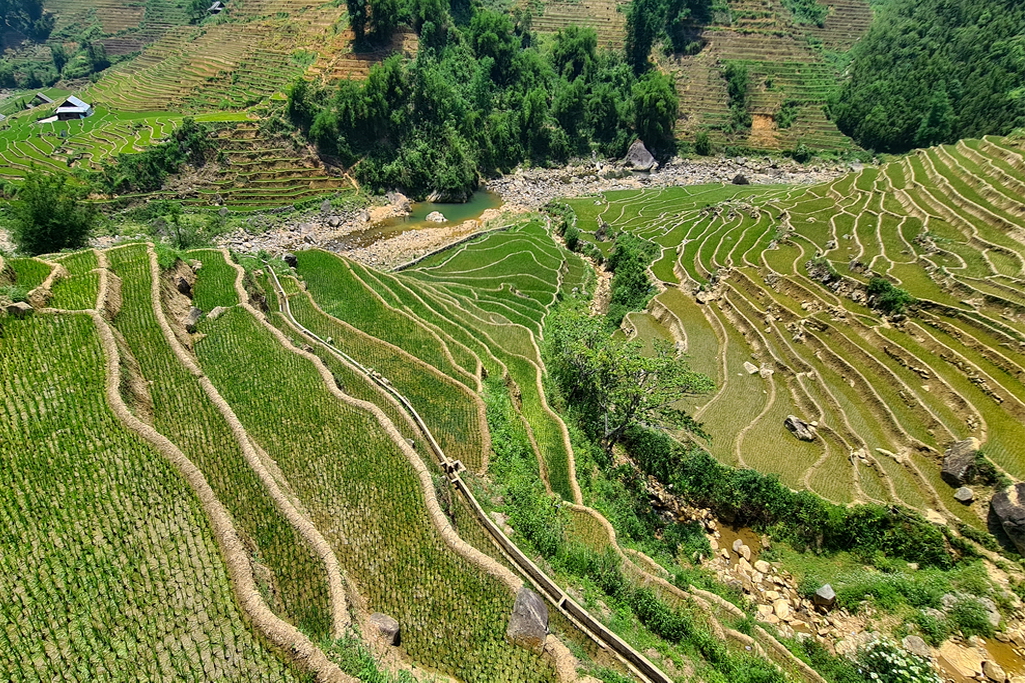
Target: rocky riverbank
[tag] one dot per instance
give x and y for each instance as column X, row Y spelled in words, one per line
column 522, row 191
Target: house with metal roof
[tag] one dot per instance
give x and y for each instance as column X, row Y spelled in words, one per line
column 73, row 108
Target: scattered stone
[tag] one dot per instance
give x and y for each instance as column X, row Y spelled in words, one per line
column 528, row 623
column 958, row 461
column 1008, row 508
column 638, row 157
column 740, row 179
column 825, row 596
column 19, row 309
column 935, row 517
column 216, row 313
column 386, row 626
column 801, row 429
column 334, row 221
column 750, row 367
column 192, row 318
column 916, row 646
column 436, row 217
column 762, row 566
column 993, row 672
column 964, row 495
column 781, row 608
column 291, row 260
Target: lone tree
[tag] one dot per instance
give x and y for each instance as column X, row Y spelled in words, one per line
column 49, row 215
column 615, row 385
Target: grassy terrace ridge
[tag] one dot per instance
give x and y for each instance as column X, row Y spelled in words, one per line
column 110, row 564
column 784, row 272
column 361, row 492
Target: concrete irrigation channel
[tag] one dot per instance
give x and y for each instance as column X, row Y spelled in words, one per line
column 581, row 618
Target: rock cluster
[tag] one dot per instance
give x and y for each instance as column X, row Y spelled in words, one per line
column 801, row 429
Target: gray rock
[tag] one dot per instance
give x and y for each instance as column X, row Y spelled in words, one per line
column 334, row 221
column 183, row 286
column 964, row 495
column 19, row 309
column 916, row 646
column 528, row 623
column 801, row 429
column 192, row 318
column 386, row 626
column 638, row 157
column 436, row 217
column 291, row 260
column 1008, row 509
column 325, row 207
column 958, row 461
column 825, row 596
column 216, row 313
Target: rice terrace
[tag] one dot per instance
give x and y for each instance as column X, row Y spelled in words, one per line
column 563, row 341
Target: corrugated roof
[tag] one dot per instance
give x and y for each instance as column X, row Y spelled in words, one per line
column 73, row 102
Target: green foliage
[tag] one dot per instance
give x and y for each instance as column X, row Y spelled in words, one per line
column 748, row 498
column 479, row 101
column 737, row 86
column 49, row 215
column 886, row 662
column 888, row 297
column 969, row 616
column 631, row 286
column 933, row 71
column 146, row 171
column 26, row 16
column 14, row 292
column 787, row 113
column 807, row 11
column 612, row 385
column 703, row 144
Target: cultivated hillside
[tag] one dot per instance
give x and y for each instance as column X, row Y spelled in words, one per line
column 779, row 278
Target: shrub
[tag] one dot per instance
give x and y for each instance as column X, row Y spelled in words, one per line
column 970, row 617
column 702, row 144
column 888, row 297
column 50, row 216
column 885, row 662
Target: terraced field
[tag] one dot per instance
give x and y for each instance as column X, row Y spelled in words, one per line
column 781, row 275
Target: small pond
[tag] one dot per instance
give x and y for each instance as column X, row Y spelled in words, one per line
column 480, row 201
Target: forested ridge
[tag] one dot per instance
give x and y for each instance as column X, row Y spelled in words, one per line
column 481, row 98
column 935, row 71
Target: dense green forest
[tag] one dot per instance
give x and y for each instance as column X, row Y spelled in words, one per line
column 932, row 71
column 25, row 16
column 480, row 98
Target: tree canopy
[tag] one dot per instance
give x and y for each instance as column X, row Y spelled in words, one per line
column 613, row 384
column 479, row 99
column 934, row 71
column 49, row 215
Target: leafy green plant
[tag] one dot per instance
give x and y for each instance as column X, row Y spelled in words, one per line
column 888, row 297
column 884, row 661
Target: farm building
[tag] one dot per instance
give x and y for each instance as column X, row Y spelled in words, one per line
column 73, row 108
column 40, row 98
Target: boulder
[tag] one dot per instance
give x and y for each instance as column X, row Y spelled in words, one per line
column 386, row 626
column 219, row 310
column 183, row 286
column 1008, row 509
column 750, row 367
column 739, row 179
column 638, row 157
column 801, row 429
column 781, row 608
column 334, row 221
column 958, row 461
column 825, row 596
column 964, row 495
column 528, row 623
column 762, row 566
column 192, row 318
column 436, row 217
column 291, row 260
column 19, row 309
column 993, row 672
column 916, row 646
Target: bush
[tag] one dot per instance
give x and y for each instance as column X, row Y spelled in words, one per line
column 49, row 215
column 969, row 616
column 885, row 662
column 888, row 297
column 702, row 144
